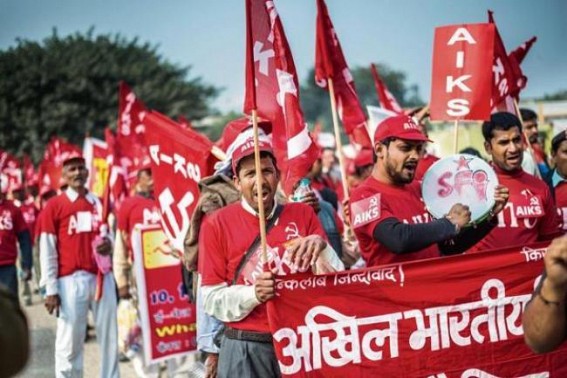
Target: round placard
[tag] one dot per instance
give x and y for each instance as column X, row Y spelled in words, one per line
column 460, row 178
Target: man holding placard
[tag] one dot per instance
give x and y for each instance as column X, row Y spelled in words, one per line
column 387, row 210
column 530, row 215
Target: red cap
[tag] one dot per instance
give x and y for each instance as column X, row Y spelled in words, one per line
column 235, row 127
column 247, row 149
column 365, row 157
column 72, row 155
column 401, row 127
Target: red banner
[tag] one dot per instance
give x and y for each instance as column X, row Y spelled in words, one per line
column 168, row 319
column 179, row 160
column 452, row 317
column 272, row 89
column 462, row 72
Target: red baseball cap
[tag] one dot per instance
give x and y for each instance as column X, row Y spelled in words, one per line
column 400, row 127
column 235, row 127
column 247, row 148
column 365, row 157
column 72, row 156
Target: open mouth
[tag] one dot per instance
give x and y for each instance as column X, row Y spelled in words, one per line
column 513, row 159
column 410, row 167
column 265, row 195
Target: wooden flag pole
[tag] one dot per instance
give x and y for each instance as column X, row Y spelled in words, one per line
column 338, row 136
column 456, row 137
column 218, row 153
column 530, row 150
column 259, row 183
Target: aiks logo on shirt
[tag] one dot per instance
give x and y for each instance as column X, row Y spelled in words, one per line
column 83, row 221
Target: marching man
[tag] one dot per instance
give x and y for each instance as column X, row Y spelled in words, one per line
column 236, row 288
column 70, row 236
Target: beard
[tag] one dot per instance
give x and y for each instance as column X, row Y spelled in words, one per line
column 398, row 177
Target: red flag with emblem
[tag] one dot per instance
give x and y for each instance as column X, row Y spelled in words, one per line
column 330, row 63
column 385, row 97
column 272, row 89
column 130, row 134
column 507, row 73
column 179, row 159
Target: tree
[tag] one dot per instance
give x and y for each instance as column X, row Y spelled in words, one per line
column 317, row 107
column 69, row 87
column 557, row 96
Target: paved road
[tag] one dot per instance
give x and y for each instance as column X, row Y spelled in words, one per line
column 41, row 363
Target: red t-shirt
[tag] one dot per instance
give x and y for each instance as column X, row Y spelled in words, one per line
column 227, row 233
column 423, row 165
column 75, row 225
column 401, row 202
column 11, row 223
column 529, row 216
column 137, row 210
column 30, row 213
column 561, row 202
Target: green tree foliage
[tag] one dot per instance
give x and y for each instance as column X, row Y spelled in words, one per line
column 557, row 96
column 317, row 107
column 69, row 87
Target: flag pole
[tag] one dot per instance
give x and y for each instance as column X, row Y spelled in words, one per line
column 338, row 136
column 529, row 145
column 261, row 216
column 456, row 137
column 218, row 153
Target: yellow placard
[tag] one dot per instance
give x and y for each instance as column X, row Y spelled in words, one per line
column 157, row 250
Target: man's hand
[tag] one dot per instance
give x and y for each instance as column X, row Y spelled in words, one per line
column 501, row 195
column 211, row 363
column 312, row 200
column 265, row 286
column 104, row 248
column 26, row 274
column 124, row 292
column 346, row 210
column 304, row 252
column 459, row 215
column 52, row 303
column 554, row 287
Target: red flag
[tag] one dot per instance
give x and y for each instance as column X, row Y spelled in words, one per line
column 273, row 90
column 385, row 97
column 179, row 160
column 58, row 150
column 115, row 187
column 11, row 168
column 521, row 51
column 130, row 136
column 507, row 72
column 462, row 77
column 30, row 175
column 330, row 63
column 49, row 177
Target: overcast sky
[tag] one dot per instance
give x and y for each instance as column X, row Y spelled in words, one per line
column 209, row 35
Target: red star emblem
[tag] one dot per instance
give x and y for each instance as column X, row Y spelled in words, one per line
column 463, row 162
